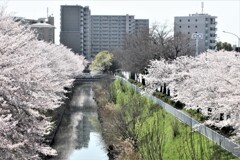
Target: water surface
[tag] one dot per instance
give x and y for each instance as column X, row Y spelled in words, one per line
column 79, row 136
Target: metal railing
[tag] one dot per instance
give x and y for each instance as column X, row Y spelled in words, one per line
column 219, row 139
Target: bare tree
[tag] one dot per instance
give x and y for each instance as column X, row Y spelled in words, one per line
column 136, row 52
column 170, row 46
column 182, row 45
column 160, row 37
column 144, row 45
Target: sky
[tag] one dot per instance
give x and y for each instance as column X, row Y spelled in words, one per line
column 157, row 11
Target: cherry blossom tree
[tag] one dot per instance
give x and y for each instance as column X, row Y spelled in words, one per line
column 209, row 82
column 33, row 75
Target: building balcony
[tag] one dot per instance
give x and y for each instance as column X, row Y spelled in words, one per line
column 212, row 25
column 212, row 32
column 213, row 28
column 213, row 44
column 212, row 38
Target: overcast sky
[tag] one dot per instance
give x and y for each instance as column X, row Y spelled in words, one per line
column 227, row 11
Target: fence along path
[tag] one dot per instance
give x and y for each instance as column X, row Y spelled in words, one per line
column 221, row 140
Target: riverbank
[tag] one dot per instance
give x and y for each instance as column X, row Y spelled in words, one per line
column 150, row 132
column 56, row 116
column 119, row 145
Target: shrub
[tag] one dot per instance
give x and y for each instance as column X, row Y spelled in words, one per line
column 175, row 127
column 196, row 114
column 179, row 105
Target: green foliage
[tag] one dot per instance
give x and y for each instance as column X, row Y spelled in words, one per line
column 140, row 85
column 165, row 98
column 196, row 115
column 175, row 127
column 113, row 94
column 152, row 136
column 102, row 61
column 226, row 46
column 179, row 105
column 157, row 133
column 219, row 153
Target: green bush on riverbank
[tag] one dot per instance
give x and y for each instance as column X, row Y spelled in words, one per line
column 156, row 133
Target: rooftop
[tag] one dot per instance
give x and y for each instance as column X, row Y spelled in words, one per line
column 42, row 25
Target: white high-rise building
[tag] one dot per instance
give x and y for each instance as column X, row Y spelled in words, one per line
column 109, row 32
column 198, row 23
column 88, row 35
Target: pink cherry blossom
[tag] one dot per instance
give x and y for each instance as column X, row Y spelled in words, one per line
column 211, row 80
column 32, row 79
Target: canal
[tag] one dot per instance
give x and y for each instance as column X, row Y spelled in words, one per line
column 79, row 135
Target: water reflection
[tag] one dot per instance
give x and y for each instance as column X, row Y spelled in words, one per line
column 78, row 137
column 88, row 152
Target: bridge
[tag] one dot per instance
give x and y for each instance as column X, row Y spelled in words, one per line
column 89, row 77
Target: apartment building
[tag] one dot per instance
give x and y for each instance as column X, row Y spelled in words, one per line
column 109, row 32
column 95, row 32
column 43, row 27
column 141, row 24
column 75, row 29
column 198, row 23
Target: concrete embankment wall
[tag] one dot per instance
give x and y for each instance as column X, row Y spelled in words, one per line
column 57, row 116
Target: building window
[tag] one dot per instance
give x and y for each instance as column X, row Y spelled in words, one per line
column 195, row 26
column 188, row 20
column 180, row 20
column 195, row 20
column 212, row 29
column 188, row 32
column 188, row 26
column 206, row 19
column 180, row 26
column 212, row 21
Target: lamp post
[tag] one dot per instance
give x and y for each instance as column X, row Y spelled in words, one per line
column 235, row 36
column 197, row 36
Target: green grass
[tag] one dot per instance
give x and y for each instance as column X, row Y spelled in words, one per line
column 159, row 135
column 164, row 137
